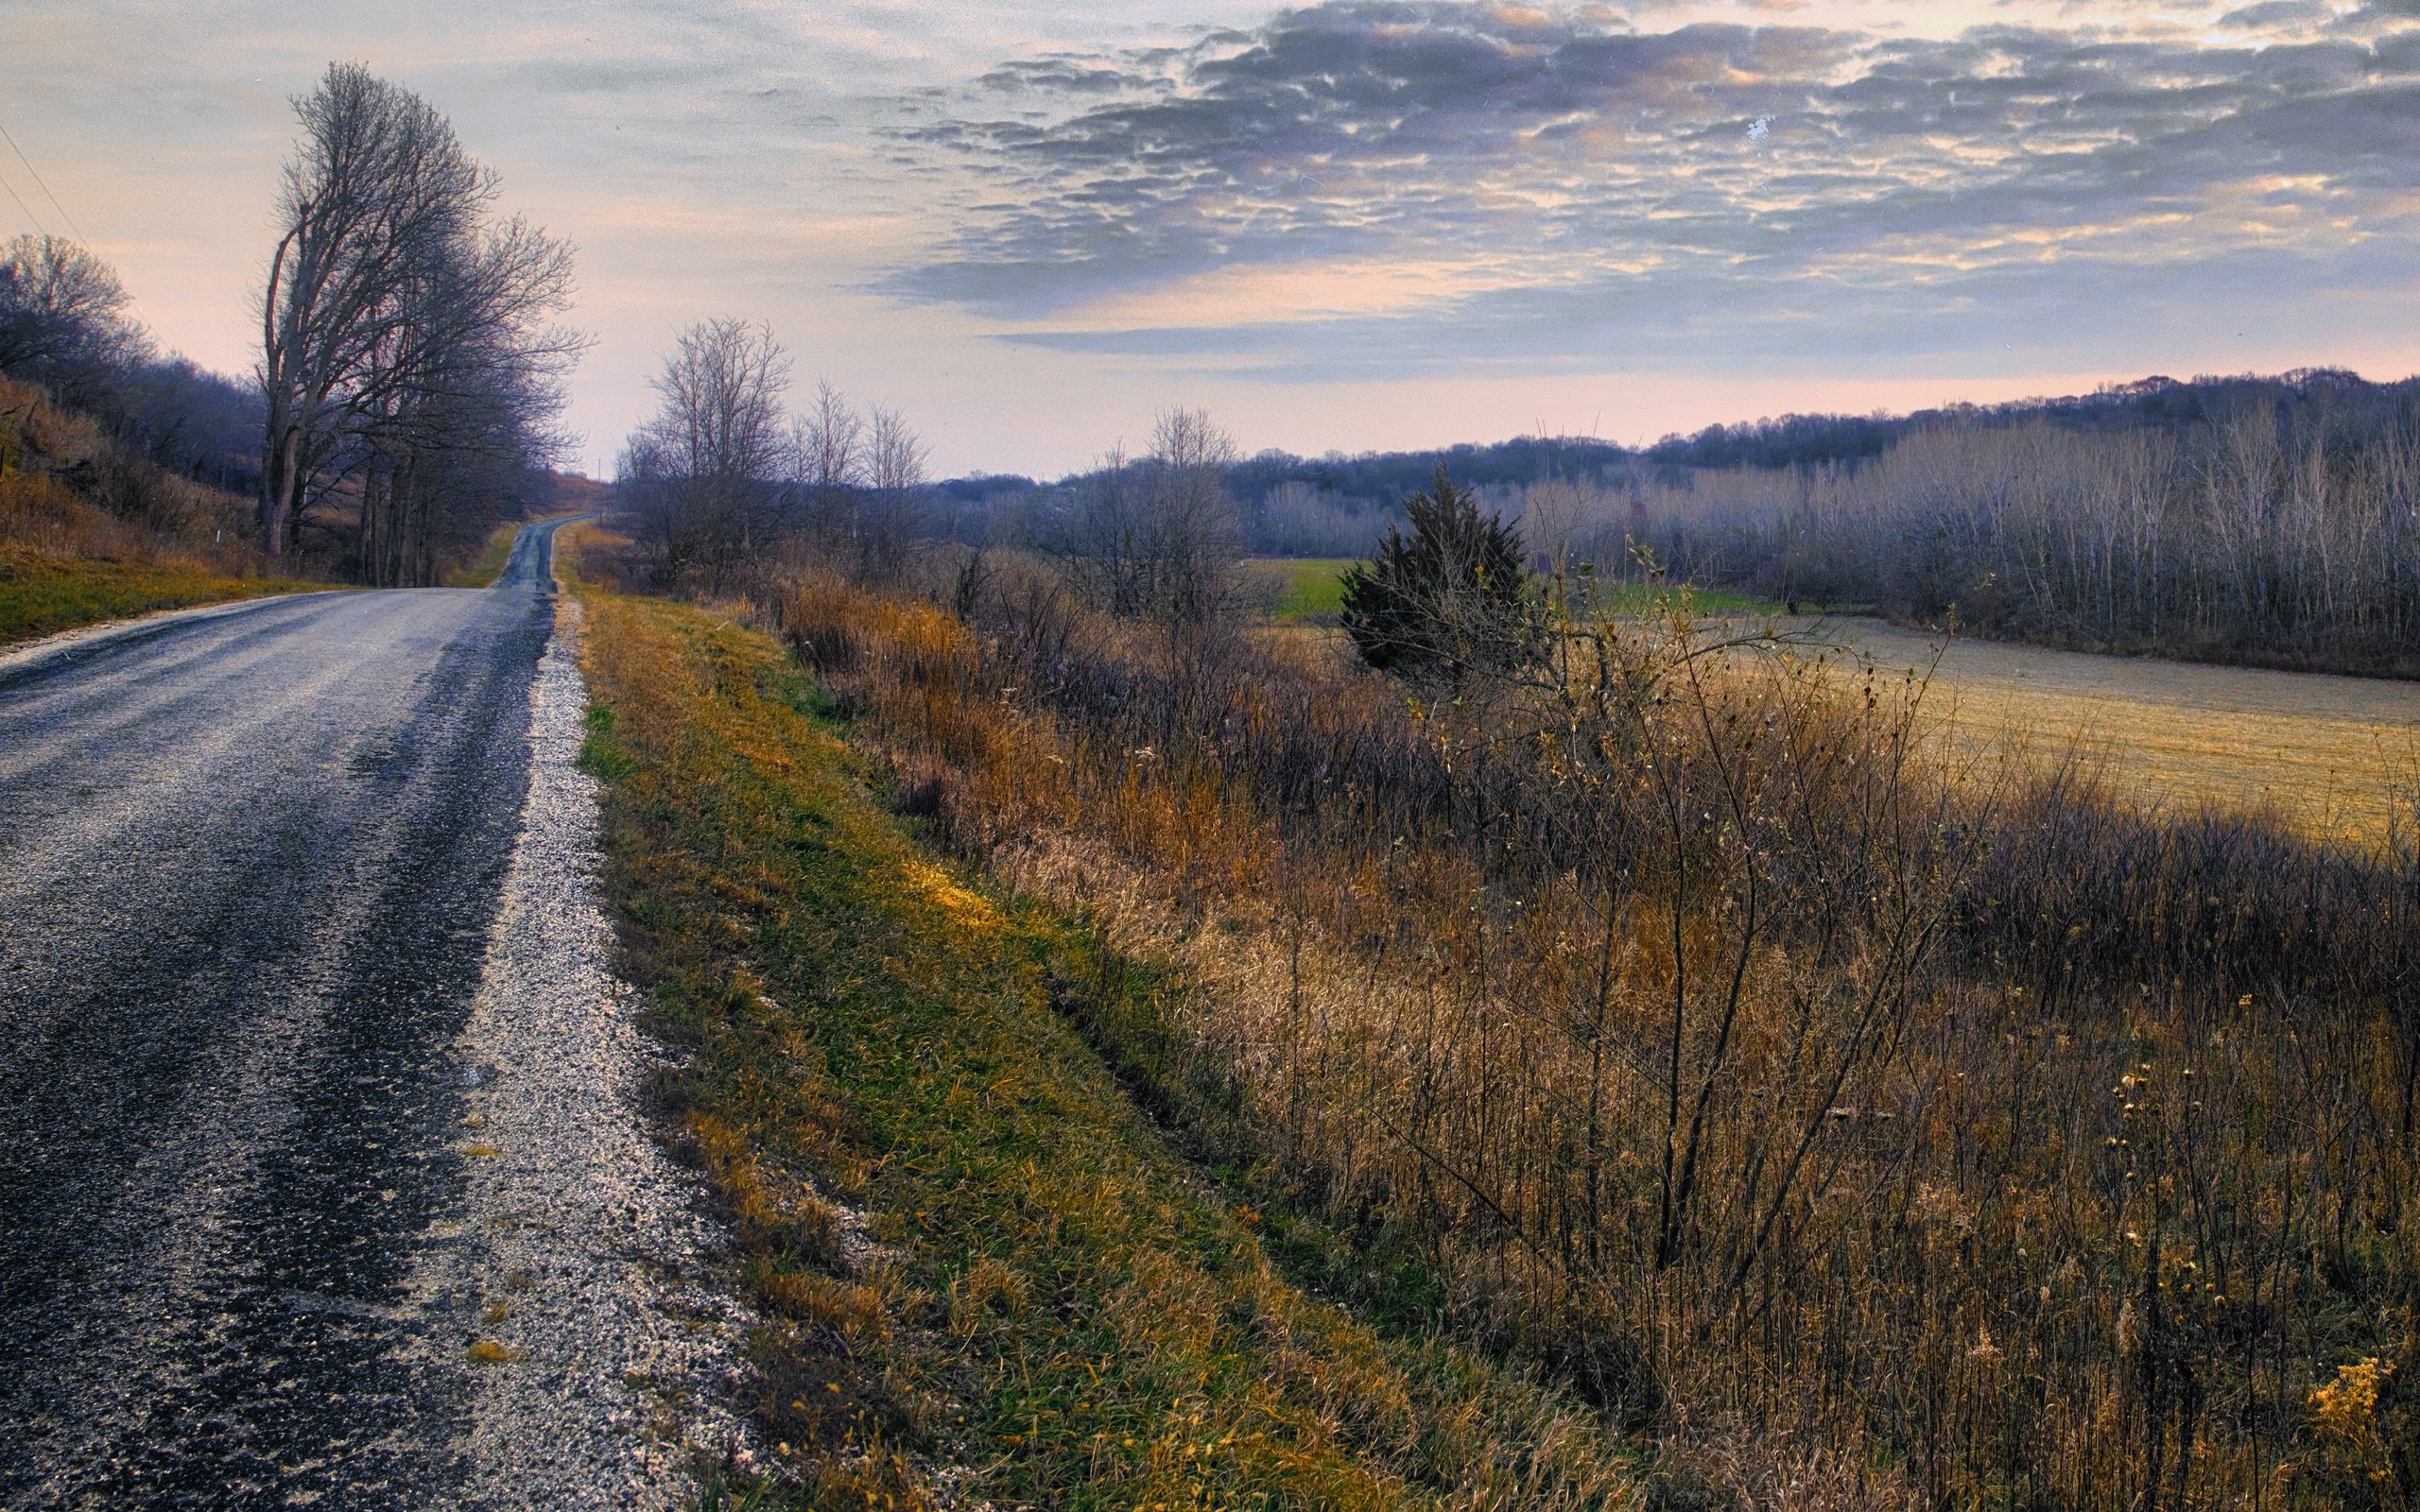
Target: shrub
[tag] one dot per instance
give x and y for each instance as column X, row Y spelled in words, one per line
column 1447, row 601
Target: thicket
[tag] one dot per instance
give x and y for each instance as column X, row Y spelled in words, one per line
column 1865, row 1129
column 2270, row 535
column 67, row 328
column 68, row 488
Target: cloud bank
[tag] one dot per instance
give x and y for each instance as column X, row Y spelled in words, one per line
column 1370, row 186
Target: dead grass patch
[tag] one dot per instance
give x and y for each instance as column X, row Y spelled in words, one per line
column 1064, row 1312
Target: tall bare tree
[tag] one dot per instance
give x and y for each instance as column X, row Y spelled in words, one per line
column 705, row 472
column 469, row 412
column 895, row 477
column 828, row 448
column 403, row 333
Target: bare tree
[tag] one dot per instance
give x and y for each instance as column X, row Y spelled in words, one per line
column 896, row 475
column 705, row 472
column 828, row 448
column 64, row 321
column 1157, row 537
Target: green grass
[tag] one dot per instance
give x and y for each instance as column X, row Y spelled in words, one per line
column 1310, row 590
column 41, row 593
column 484, row 569
column 1063, row 1308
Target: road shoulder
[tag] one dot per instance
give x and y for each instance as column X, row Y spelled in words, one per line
column 578, row 1281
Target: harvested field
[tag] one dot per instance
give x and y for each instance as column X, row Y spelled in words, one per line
column 2328, row 752
column 2331, row 754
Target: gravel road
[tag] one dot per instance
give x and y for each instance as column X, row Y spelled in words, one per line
column 315, row 1077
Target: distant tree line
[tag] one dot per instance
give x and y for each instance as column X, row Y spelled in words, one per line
column 66, row 325
column 1340, row 506
column 2272, row 533
column 725, row 473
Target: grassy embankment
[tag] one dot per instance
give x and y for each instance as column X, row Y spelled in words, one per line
column 1045, row 1297
column 42, row 593
column 89, row 533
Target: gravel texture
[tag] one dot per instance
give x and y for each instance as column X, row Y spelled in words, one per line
column 586, row 1256
column 267, row 903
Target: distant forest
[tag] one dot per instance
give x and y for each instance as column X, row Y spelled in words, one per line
column 2264, row 520
column 1337, row 505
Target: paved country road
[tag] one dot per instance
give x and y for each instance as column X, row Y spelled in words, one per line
column 251, row 865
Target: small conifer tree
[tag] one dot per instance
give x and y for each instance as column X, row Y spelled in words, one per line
column 1448, row 600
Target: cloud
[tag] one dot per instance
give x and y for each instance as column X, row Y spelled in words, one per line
column 1751, row 187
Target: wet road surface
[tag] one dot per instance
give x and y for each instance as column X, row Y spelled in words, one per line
column 248, row 865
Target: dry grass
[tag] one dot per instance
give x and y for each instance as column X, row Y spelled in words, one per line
column 41, row 593
column 2334, row 755
column 1863, row 1129
column 1040, row 1297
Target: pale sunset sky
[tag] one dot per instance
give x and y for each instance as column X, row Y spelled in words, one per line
column 1350, row 225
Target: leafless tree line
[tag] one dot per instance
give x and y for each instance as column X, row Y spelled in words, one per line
column 724, row 472
column 2247, row 539
column 1155, row 537
column 64, row 319
column 408, row 352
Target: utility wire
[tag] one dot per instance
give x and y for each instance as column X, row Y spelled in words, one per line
column 31, row 218
column 45, row 186
column 45, row 189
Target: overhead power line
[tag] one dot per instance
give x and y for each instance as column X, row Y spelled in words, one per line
column 45, row 190
column 32, row 218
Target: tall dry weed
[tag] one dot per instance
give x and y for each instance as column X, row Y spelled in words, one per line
column 1861, row 1129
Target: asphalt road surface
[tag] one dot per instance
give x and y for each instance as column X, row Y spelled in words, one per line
column 248, row 862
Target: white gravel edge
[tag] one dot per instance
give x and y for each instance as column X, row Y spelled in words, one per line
column 583, row 1256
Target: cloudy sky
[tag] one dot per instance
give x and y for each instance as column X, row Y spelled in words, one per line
column 1348, row 225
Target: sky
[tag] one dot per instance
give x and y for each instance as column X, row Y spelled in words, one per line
column 1354, row 225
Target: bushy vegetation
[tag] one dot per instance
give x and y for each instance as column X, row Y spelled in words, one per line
column 90, row 531
column 1446, row 601
column 2257, row 521
column 66, row 330
column 1858, row 1126
column 984, row 1277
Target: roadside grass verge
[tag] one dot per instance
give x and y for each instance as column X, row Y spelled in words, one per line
column 42, row 593
column 484, row 569
column 971, row 1248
